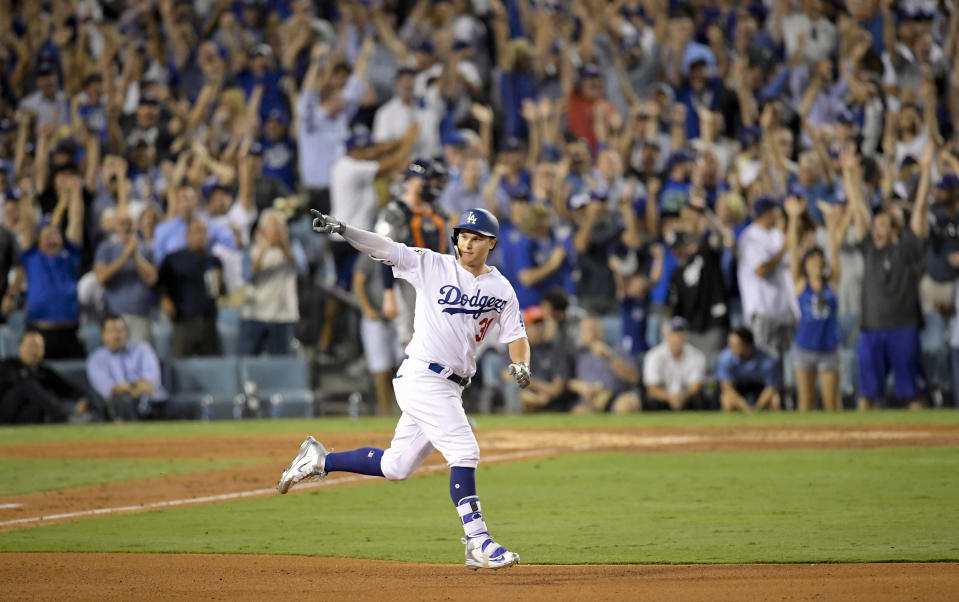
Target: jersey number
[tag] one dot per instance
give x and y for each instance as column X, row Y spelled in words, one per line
column 485, row 323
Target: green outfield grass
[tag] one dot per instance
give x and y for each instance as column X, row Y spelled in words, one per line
column 773, row 506
column 30, row 475
column 35, row 434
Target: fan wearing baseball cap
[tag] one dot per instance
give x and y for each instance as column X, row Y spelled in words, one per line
column 673, row 371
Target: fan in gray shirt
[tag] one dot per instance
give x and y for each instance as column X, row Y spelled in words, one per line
column 890, row 287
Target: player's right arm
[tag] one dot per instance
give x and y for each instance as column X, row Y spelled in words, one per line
column 370, row 243
column 406, row 262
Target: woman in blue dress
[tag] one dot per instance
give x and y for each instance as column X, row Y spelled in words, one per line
column 818, row 335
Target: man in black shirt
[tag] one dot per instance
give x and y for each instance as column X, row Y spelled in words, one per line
column 30, row 392
column 599, row 228
column 696, row 290
column 190, row 280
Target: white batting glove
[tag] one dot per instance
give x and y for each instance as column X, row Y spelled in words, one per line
column 326, row 224
column 520, row 373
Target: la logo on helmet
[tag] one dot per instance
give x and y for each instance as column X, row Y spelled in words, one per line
column 471, row 219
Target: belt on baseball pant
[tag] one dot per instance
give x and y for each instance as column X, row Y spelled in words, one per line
column 439, row 369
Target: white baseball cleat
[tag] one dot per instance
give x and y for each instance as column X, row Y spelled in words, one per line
column 478, row 553
column 310, row 462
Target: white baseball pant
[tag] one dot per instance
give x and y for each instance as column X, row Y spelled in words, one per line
column 433, row 418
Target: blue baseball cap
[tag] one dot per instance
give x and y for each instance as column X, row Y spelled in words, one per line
column 679, row 157
column 46, row 67
column 750, row 135
column 590, row 70
column 511, row 144
column 949, row 181
column 453, row 138
column 599, row 194
column 678, row 324
column 358, row 140
column 763, row 205
column 278, row 114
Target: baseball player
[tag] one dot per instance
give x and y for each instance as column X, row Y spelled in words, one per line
column 458, row 299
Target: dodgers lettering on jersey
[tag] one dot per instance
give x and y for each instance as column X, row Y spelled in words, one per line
column 454, row 309
column 475, row 305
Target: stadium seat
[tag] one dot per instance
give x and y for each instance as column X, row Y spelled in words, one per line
column 90, row 337
column 213, row 381
column 162, row 333
column 282, row 382
column 229, row 331
column 8, row 342
column 849, row 372
column 75, row 373
column 228, row 314
column 613, row 331
column 17, row 320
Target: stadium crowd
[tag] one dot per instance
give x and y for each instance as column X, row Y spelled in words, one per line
column 728, row 204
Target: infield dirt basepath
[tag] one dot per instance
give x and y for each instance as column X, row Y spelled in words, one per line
column 232, row 577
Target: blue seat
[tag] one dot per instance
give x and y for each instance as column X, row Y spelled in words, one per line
column 162, row 335
column 10, row 333
column 282, row 382
column 228, row 314
column 90, row 337
column 17, row 320
column 212, row 381
column 613, row 331
column 229, row 332
column 75, row 373
column 8, row 342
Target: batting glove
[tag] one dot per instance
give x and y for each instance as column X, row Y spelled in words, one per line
column 326, row 224
column 520, row 373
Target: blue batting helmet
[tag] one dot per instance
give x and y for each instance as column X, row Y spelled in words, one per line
column 478, row 220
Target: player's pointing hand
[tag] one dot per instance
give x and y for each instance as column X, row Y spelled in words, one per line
column 326, row 224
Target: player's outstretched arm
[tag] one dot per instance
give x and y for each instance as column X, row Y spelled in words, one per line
column 370, row 243
column 519, row 369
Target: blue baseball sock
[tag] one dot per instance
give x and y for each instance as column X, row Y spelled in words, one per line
column 462, row 483
column 463, row 493
column 365, row 460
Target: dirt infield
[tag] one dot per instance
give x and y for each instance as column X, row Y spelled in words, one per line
column 219, row 577
column 106, row 576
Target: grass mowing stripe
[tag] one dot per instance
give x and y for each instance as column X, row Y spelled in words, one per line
column 31, row 475
column 31, row 434
column 778, row 506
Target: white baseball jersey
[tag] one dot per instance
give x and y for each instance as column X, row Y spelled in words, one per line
column 454, row 308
